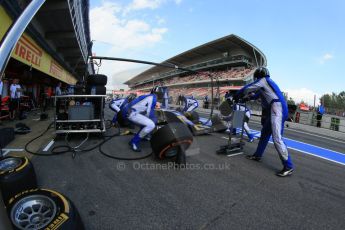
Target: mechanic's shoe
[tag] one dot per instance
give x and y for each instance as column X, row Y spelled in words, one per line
column 250, row 138
column 253, row 157
column 134, row 147
column 134, row 143
column 285, row 172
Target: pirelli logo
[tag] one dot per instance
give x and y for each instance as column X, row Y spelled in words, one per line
column 28, row 51
column 56, row 224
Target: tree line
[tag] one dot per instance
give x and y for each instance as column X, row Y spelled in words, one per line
column 334, row 101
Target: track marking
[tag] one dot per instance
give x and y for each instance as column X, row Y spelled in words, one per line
column 231, row 155
column 7, row 151
column 320, row 152
column 315, row 155
column 48, row 146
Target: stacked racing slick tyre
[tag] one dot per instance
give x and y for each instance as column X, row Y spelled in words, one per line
column 96, row 84
column 16, row 175
column 171, row 140
column 97, row 79
column 43, row 209
column 96, row 90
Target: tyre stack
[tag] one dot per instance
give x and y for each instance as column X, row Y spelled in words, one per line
column 96, row 84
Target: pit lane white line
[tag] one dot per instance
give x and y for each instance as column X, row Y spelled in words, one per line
column 326, row 154
column 7, row 151
column 231, row 155
column 48, row 146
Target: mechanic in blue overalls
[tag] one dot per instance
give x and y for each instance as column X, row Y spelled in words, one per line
column 190, row 104
column 141, row 112
column 274, row 124
column 118, row 103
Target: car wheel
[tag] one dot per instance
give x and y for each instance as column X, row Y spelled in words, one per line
column 192, row 116
column 170, row 139
column 43, row 209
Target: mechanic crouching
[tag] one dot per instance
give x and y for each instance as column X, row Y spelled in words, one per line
column 141, row 112
column 190, row 104
column 118, row 103
column 273, row 125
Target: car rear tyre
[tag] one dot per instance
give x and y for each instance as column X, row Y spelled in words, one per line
column 170, row 139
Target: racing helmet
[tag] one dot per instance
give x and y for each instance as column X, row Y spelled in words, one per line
column 261, row 72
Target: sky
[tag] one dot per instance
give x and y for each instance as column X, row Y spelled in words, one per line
column 304, row 41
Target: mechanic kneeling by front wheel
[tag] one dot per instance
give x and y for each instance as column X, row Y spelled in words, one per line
column 43, row 209
column 171, row 141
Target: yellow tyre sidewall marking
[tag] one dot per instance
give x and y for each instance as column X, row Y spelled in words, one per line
column 64, row 200
column 23, row 166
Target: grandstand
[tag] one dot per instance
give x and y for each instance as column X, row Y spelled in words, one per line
column 231, row 59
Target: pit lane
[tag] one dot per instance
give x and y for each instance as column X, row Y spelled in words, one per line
column 112, row 194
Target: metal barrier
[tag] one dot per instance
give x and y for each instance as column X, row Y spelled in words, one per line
column 328, row 121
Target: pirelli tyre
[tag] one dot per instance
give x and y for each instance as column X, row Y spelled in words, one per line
column 169, row 140
column 16, row 174
column 43, row 209
column 97, row 79
column 192, row 116
column 218, row 124
column 96, row 90
column 4, row 220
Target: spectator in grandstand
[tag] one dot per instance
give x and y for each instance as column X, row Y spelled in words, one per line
column 274, row 124
column 320, row 112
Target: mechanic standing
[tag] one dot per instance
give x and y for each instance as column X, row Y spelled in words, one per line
column 320, row 112
column 274, row 124
column 141, row 112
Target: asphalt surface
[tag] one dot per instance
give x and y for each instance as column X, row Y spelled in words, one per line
column 212, row 192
